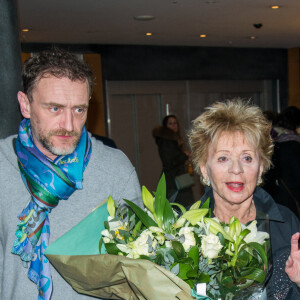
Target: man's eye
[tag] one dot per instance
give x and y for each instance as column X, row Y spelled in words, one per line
column 54, row 109
column 80, row 110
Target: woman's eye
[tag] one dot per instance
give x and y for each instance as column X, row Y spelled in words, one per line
column 248, row 158
column 222, row 159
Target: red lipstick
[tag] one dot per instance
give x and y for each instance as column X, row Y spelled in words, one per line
column 235, row 186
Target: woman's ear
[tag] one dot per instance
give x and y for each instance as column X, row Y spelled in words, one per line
column 24, row 104
column 203, row 171
column 261, row 170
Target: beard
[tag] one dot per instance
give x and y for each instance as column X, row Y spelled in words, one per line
column 63, row 149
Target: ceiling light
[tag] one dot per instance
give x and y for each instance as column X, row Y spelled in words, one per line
column 275, row 6
column 144, row 18
column 203, row 35
column 252, row 37
column 25, row 30
column 149, row 33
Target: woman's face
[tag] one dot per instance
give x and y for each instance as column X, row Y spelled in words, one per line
column 172, row 124
column 233, row 168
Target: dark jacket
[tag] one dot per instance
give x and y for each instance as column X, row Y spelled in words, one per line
column 282, row 181
column 283, row 224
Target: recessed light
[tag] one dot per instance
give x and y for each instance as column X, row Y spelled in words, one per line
column 252, row 37
column 25, row 30
column 144, row 18
column 275, row 6
column 148, row 33
column 203, row 35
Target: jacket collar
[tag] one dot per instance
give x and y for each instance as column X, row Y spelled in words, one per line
column 264, row 203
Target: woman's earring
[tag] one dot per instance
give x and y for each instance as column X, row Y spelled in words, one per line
column 206, row 181
column 259, row 181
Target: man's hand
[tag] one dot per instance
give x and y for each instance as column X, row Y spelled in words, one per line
column 292, row 266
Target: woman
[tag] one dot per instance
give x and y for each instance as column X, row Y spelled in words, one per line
column 174, row 157
column 231, row 149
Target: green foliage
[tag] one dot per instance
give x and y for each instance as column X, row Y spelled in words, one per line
column 142, row 215
column 236, row 269
column 160, row 200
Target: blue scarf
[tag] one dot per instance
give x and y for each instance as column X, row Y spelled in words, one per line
column 48, row 182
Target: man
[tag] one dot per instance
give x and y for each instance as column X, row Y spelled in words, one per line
column 52, row 159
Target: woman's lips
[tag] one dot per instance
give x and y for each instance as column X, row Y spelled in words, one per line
column 235, row 186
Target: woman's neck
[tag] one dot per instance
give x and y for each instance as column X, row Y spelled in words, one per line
column 245, row 212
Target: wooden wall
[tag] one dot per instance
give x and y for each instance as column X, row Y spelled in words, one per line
column 294, row 76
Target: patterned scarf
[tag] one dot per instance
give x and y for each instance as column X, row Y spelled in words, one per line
column 48, row 182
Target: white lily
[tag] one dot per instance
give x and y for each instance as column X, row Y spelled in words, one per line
column 254, row 235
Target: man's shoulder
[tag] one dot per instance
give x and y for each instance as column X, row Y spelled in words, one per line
column 106, row 156
column 7, row 148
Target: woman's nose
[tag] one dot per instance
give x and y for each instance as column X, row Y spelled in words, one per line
column 236, row 167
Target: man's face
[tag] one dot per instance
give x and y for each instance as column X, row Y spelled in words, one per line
column 57, row 113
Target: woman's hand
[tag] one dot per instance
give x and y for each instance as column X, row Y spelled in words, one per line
column 292, row 266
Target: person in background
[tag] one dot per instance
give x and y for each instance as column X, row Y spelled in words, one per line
column 282, row 181
column 231, row 148
column 174, row 157
column 53, row 174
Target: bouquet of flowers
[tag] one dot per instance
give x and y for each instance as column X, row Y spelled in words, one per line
column 228, row 260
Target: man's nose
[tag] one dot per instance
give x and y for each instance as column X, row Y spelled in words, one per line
column 66, row 121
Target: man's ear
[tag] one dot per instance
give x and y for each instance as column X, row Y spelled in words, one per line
column 24, row 104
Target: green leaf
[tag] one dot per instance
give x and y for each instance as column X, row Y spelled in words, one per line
column 148, row 199
column 257, row 275
column 142, row 215
column 195, row 215
column 204, row 278
column 216, row 227
column 137, row 228
column 206, row 203
column 196, row 205
column 125, row 234
column 243, row 258
column 106, row 225
column 261, row 251
column 100, row 244
column 244, row 232
column 194, row 254
column 178, row 248
column 112, row 248
column 146, row 257
column 192, row 273
column 245, row 285
column 111, row 207
column 221, row 238
column 227, row 281
column 160, row 200
column 183, row 270
column 168, row 217
column 181, row 207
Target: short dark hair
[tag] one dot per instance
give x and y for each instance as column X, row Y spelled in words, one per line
column 289, row 118
column 58, row 63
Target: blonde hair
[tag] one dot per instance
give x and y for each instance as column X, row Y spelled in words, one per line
column 230, row 116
